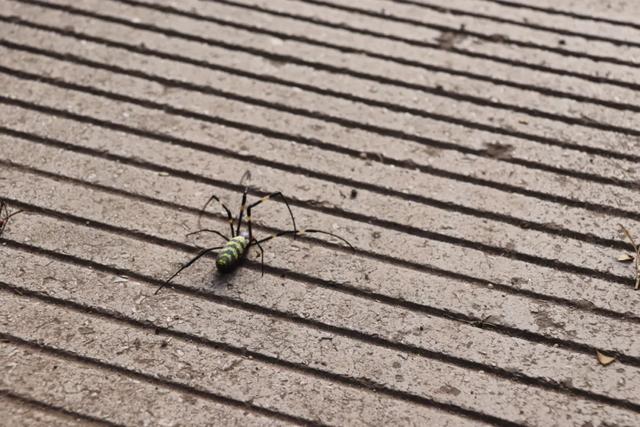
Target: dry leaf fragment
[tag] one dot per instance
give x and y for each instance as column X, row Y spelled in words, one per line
column 625, row 257
column 604, row 359
column 637, row 250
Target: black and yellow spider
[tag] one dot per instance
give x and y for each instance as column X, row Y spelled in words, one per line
column 238, row 245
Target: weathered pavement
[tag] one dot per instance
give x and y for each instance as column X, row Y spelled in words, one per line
column 480, row 154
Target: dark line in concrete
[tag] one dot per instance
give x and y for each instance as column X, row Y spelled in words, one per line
column 140, row 376
column 471, row 99
column 518, row 222
column 317, row 65
column 559, row 265
column 365, row 383
column 522, row 223
column 301, row 277
column 610, row 210
column 287, row 316
column 345, row 288
column 425, row 65
column 575, row 15
column 356, row 383
column 525, row 24
column 48, row 407
column 320, row 116
column 457, row 241
column 441, row 92
column 143, row 50
column 438, row 27
column 609, row 398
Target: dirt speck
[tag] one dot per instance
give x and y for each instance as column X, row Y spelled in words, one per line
column 498, row 38
column 449, row 39
column 544, row 321
column 567, row 382
column 447, row 389
column 276, row 63
column 585, row 304
column 498, row 151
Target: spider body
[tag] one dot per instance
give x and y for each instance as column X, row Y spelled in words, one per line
column 232, row 253
column 236, row 247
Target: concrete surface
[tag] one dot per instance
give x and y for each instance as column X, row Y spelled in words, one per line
column 480, row 155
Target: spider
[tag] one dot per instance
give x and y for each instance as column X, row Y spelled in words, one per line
column 236, row 247
column 5, row 215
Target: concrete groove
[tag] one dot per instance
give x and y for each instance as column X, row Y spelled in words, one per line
column 433, row 67
column 381, row 79
column 564, row 13
column 350, row 382
column 520, row 222
column 426, row 89
column 458, row 241
column 62, row 354
column 367, row 76
column 55, row 409
column 444, row 93
column 304, row 112
column 387, row 132
column 482, row 36
column 595, row 207
column 320, row 282
column 322, row 91
column 561, row 31
column 483, row 155
column 365, row 383
column 437, row 236
column 533, row 337
column 292, row 59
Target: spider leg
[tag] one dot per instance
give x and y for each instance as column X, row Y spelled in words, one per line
column 12, row 214
column 243, row 205
column 261, row 254
column 229, row 216
column 245, row 175
column 205, row 230
column 197, row 257
column 4, row 214
column 307, row 231
column 264, row 199
column 5, row 220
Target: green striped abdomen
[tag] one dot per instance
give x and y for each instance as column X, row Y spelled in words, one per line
column 231, row 254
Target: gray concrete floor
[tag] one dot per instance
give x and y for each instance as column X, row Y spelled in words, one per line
column 479, row 154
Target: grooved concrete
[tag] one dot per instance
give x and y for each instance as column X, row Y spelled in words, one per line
column 485, row 277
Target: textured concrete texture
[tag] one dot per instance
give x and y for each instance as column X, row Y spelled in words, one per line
column 479, row 154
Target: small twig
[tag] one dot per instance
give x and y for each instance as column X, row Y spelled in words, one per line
column 637, row 251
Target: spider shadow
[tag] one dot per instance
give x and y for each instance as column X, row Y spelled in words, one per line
column 219, row 282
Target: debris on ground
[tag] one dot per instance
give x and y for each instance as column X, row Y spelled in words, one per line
column 636, row 250
column 603, row 359
column 625, row 257
column 449, row 39
column 497, row 150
